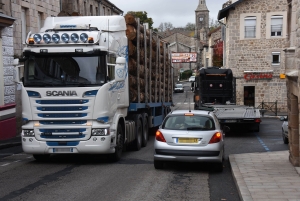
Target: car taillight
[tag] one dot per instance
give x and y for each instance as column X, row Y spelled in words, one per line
column 215, row 138
column 159, row 136
column 257, row 120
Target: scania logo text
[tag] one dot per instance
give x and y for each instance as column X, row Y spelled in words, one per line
column 61, row 93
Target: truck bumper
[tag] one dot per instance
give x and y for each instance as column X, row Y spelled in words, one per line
column 95, row 145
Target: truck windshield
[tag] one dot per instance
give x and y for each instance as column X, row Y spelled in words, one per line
column 65, row 70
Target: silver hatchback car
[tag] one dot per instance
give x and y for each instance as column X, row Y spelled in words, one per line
column 190, row 136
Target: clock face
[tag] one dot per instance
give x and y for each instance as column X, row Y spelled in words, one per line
column 201, row 19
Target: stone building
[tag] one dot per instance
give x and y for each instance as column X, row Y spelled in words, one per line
column 214, row 37
column 292, row 53
column 182, row 43
column 7, row 88
column 17, row 19
column 256, row 37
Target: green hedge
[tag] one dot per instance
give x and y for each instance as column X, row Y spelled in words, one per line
column 186, row 74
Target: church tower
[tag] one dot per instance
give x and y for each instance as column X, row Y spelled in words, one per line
column 202, row 20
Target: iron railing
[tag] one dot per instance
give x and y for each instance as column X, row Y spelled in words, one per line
column 268, row 107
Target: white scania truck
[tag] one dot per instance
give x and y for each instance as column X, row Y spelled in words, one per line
column 76, row 94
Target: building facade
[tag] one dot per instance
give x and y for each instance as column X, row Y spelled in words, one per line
column 7, row 87
column 292, row 53
column 256, row 37
column 214, row 42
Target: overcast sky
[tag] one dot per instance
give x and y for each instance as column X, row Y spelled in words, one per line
column 178, row 12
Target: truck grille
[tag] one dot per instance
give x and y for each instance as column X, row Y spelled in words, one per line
column 72, row 115
column 63, row 119
column 59, row 102
column 62, row 108
column 62, row 122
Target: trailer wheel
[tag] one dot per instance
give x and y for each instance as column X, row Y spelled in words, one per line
column 137, row 143
column 41, row 157
column 145, row 130
column 119, row 145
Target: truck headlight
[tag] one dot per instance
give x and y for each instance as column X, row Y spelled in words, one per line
column 28, row 133
column 56, row 38
column 74, row 37
column 37, row 38
column 65, row 37
column 100, row 131
column 47, row 38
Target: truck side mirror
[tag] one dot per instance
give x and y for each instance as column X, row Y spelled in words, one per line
column 18, row 71
column 120, row 71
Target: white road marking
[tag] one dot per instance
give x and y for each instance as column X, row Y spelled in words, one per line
column 17, row 161
column 5, row 164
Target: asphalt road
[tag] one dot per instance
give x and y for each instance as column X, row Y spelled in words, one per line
column 84, row 177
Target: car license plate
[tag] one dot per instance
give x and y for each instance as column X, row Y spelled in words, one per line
column 62, row 150
column 188, row 140
column 230, row 121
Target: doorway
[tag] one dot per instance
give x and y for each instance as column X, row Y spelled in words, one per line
column 249, row 95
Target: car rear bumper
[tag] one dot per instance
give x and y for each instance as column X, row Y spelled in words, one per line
column 215, row 154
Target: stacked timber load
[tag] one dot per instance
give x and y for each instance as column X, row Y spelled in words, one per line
column 149, row 64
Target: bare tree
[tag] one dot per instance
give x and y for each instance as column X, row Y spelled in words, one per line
column 164, row 26
column 190, row 26
column 213, row 24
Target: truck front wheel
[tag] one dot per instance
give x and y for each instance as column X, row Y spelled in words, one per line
column 119, row 145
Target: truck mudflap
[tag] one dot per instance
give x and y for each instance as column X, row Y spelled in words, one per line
column 95, row 145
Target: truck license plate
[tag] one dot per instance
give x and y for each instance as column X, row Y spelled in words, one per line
column 188, row 140
column 62, row 150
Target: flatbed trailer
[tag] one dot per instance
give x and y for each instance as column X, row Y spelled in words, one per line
column 238, row 115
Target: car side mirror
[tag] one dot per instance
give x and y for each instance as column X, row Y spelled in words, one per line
column 120, row 71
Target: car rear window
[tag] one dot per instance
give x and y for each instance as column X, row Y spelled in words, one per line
column 181, row 122
column 178, row 85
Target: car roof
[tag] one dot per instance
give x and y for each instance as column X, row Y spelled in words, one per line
column 198, row 112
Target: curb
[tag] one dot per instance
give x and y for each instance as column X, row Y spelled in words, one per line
column 8, row 145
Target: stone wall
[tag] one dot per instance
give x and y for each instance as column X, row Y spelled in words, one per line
column 256, row 54
column 293, row 82
column 213, row 36
column 8, row 68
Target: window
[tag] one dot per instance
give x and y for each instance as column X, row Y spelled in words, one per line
column 96, row 10
column 24, row 24
column 250, row 27
column 276, row 25
column 103, row 11
column 91, row 10
column 85, row 8
column 275, row 58
column 111, row 63
column 39, row 21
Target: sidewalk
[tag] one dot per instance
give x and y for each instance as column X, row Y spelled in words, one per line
column 265, row 176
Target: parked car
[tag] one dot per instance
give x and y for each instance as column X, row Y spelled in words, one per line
column 190, row 136
column 285, row 130
column 178, row 88
column 192, row 79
